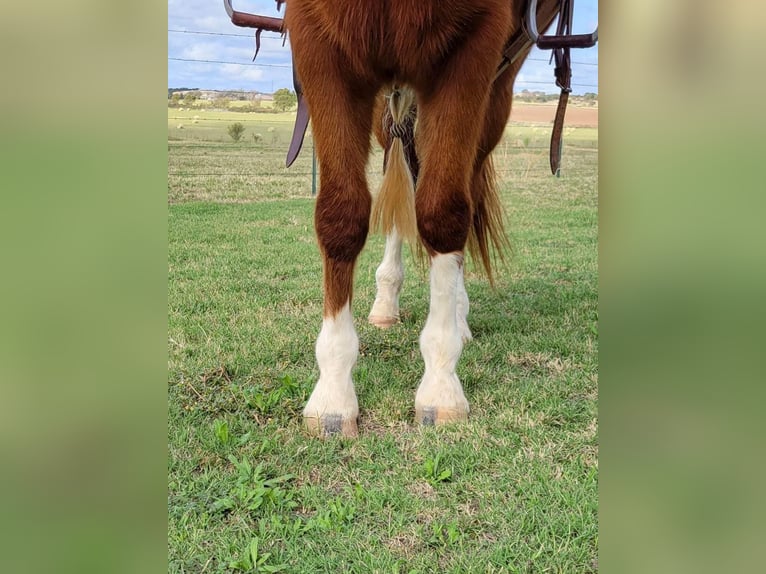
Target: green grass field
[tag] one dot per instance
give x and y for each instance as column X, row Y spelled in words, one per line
column 513, row 490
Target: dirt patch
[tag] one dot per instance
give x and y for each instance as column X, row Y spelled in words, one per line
column 544, row 113
column 422, row 490
column 539, row 362
column 405, row 544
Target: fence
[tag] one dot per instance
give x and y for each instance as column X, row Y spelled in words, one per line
column 205, row 164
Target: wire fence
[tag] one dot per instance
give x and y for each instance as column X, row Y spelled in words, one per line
column 207, row 170
column 287, row 65
column 266, row 35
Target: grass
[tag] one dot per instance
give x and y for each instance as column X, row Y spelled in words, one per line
column 513, row 490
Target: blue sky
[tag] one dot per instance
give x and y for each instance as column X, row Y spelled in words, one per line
column 200, row 30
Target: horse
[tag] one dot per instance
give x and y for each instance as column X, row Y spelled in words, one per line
column 426, row 78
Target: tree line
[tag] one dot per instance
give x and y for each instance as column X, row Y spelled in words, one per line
column 284, row 99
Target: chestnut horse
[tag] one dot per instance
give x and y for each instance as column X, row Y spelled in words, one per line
column 360, row 62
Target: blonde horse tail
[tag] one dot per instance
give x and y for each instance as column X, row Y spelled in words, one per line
column 395, row 203
column 487, row 231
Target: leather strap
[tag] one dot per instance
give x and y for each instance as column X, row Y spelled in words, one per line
column 557, row 134
column 299, row 131
column 301, row 122
column 513, row 49
column 563, row 73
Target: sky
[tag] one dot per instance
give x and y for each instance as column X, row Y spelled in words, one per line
column 206, row 51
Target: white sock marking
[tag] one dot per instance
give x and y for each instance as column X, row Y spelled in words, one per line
column 389, row 277
column 441, row 341
column 337, row 349
column 463, row 307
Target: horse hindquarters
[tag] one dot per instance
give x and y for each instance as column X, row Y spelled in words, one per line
column 453, row 91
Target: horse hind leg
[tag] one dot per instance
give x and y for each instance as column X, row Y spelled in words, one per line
column 440, row 398
column 394, row 208
column 389, row 278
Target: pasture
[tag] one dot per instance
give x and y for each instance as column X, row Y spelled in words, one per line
column 513, row 490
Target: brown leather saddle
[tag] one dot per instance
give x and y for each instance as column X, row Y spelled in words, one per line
column 560, row 43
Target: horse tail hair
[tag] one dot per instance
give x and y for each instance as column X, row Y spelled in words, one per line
column 395, row 203
column 487, row 232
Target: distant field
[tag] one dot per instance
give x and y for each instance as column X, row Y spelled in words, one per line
column 544, row 113
column 209, row 125
column 512, row 490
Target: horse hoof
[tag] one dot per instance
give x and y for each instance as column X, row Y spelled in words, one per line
column 382, row 322
column 436, row 416
column 331, row 425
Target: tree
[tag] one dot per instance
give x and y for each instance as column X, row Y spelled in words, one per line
column 190, row 98
column 175, row 99
column 221, row 103
column 284, row 99
column 236, row 130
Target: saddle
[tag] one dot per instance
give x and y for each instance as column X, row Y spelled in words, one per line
column 527, row 36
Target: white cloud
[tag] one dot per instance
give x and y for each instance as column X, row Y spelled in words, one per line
column 202, row 51
column 248, row 73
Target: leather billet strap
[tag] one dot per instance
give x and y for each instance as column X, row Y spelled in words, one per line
column 563, row 73
column 557, row 144
column 301, row 122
